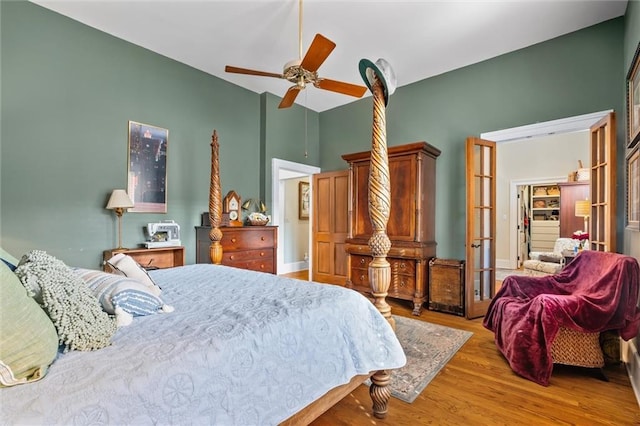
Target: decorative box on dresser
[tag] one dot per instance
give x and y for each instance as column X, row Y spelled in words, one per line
column 570, row 192
column 149, row 258
column 245, row 247
column 411, row 226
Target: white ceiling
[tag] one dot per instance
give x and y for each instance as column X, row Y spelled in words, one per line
column 420, row 39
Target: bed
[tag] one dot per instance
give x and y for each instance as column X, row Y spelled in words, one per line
column 228, row 354
column 239, row 347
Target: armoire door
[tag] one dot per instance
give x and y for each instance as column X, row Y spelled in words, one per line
column 330, row 227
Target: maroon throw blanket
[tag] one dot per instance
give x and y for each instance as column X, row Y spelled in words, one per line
column 596, row 292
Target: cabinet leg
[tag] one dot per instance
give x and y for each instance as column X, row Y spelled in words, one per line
column 417, row 308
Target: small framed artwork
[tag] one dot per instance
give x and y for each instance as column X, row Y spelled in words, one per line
column 633, row 189
column 147, row 170
column 633, row 100
column 303, row 200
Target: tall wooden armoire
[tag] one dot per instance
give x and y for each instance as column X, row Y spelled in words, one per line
column 411, row 226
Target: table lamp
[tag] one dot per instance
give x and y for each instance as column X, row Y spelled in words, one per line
column 583, row 209
column 119, row 202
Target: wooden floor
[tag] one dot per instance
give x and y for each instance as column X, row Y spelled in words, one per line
column 477, row 387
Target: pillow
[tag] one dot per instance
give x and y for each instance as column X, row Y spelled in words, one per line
column 113, row 291
column 28, row 339
column 553, row 258
column 125, row 265
column 77, row 315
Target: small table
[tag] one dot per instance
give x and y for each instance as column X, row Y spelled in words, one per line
column 569, row 255
column 149, row 258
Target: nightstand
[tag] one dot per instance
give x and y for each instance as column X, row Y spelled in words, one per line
column 149, row 258
column 568, row 256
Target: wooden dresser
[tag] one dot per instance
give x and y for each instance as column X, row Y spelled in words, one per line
column 411, row 226
column 155, row 258
column 245, row 247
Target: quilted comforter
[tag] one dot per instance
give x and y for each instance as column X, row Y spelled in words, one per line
column 241, row 347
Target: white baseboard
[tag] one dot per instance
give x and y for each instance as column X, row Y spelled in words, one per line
column 503, row 264
column 293, row 267
column 631, row 359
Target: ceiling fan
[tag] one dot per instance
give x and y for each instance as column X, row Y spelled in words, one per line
column 304, row 71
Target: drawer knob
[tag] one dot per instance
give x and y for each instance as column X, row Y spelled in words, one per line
column 402, row 265
column 362, row 261
column 233, row 240
column 231, row 257
column 261, row 266
column 361, row 277
column 261, row 254
column 262, row 238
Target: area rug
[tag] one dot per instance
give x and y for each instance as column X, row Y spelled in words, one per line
column 428, row 348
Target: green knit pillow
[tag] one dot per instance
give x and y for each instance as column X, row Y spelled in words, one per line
column 74, row 310
column 28, row 339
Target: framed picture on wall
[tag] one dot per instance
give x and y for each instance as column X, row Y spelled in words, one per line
column 633, row 101
column 633, row 189
column 147, row 171
column 303, row 200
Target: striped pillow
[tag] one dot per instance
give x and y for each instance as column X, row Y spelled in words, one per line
column 115, row 291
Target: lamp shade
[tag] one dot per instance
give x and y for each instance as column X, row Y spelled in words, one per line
column 583, row 208
column 119, row 200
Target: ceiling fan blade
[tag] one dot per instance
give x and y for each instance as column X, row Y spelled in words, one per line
column 341, row 87
column 237, row 70
column 289, row 97
column 319, row 50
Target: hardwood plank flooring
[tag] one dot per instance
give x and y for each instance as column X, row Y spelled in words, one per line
column 477, row 387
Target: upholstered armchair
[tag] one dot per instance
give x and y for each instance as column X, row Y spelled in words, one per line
column 546, row 263
column 558, row 319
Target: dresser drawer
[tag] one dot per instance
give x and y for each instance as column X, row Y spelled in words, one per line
column 246, row 239
column 244, row 255
column 358, row 261
column 156, row 258
column 360, row 277
column 402, row 286
column 402, row 266
column 260, row 265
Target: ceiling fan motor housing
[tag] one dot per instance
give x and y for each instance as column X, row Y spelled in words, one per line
column 294, row 73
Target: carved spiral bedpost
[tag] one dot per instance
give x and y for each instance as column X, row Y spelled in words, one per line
column 379, row 243
column 379, row 206
column 215, row 203
column 381, row 81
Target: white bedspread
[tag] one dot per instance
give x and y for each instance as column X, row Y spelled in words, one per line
column 241, row 347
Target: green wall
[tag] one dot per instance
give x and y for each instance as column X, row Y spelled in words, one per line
column 68, row 92
column 631, row 43
column 571, row 75
column 285, row 133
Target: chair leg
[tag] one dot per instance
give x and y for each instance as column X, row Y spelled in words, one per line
column 600, row 374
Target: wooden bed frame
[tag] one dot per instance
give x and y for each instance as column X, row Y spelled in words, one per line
column 379, row 268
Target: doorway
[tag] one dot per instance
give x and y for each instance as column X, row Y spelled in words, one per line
column 539, row 133
column 281, row 172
